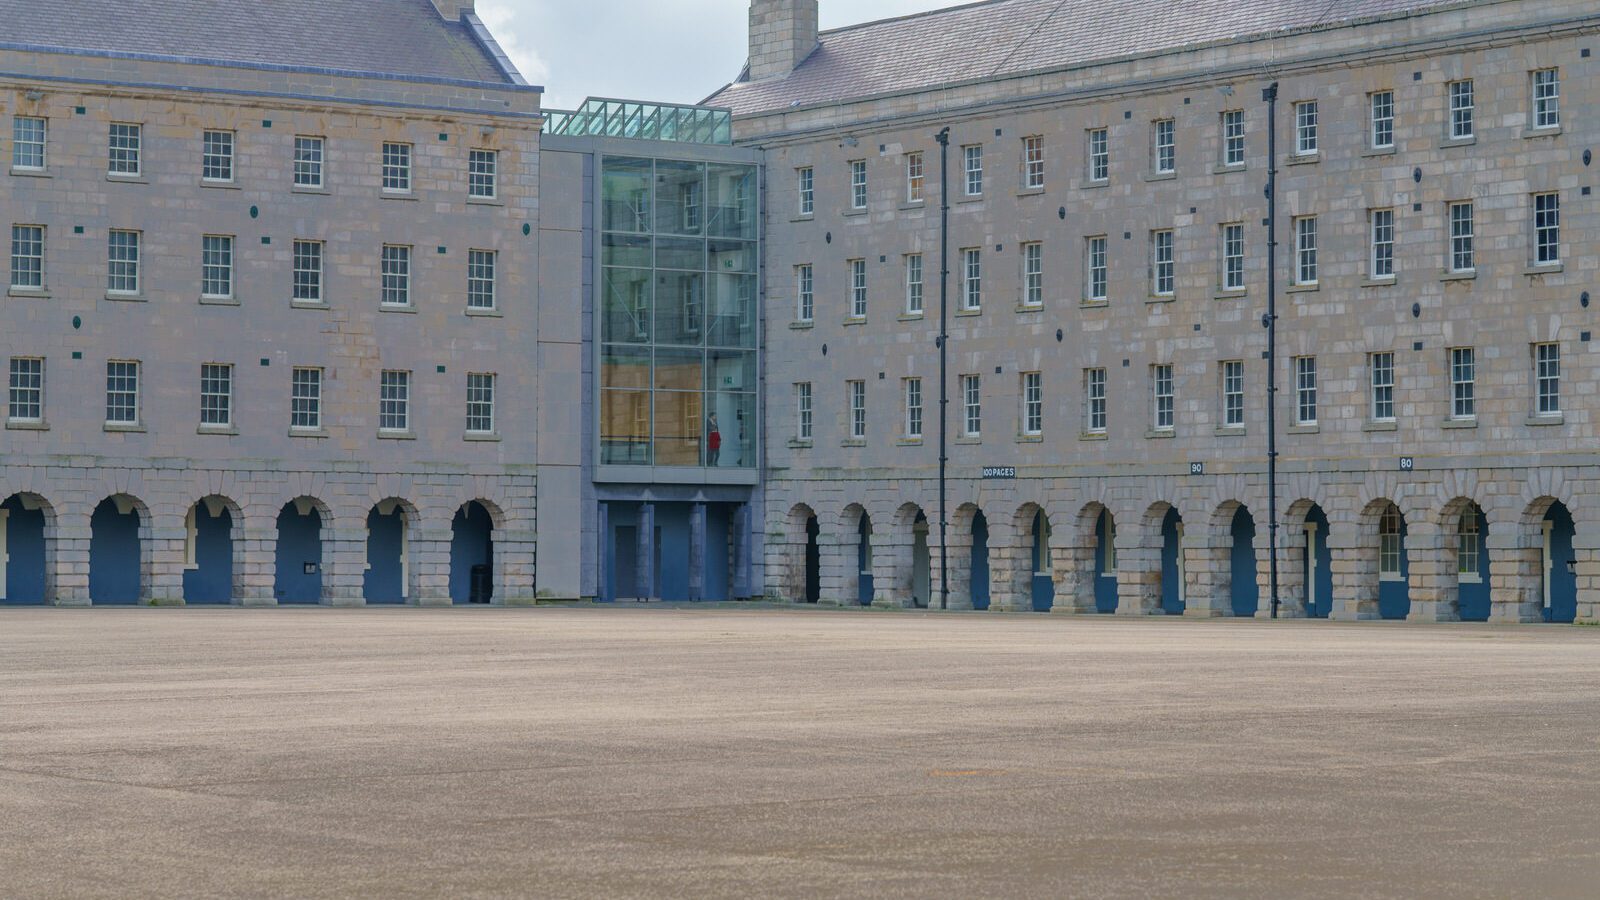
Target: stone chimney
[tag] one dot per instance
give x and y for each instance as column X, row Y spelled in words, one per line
column 451, row 10
column 782, row 34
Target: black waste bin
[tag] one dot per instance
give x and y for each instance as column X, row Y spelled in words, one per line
column 482, row 587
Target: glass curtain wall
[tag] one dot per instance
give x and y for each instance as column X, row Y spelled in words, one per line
column 678, row 314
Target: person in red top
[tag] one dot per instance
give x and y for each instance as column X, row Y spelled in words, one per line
column 713, row 441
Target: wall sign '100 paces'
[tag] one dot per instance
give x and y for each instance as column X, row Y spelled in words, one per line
column 999, row 473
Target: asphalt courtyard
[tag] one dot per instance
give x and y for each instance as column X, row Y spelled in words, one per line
column 591, row 752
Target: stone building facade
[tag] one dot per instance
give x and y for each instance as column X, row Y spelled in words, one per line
column 1108, row 279
column 272, row 328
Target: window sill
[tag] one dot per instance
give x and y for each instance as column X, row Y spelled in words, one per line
column 1390, row 281
column 27, row 426
column 1228, row 170
column 1373, row 427
column 1303, row 288
column 1547, row 269
column 1031, row 191
column 1030, row 438
column 126, row 179
column 909, row 442
column 219, row 301
column 1453, row 424
column 1470, row 275
column 969, row 198
column 804, row 217
column 962, row 313
column 1093, row 185
column 799, row 445
column 802, row 326
column 967, row 441
column 1305, row 429
column 1234, row 294
column 395, row 195
column 395, row 435
column 308, row 432
column 28, row 293
column 1549, row 132
column 853, row 212
column 854, row 320
column 217, row 429
column 1160, row 176
column 126, row 298
column 1447, row 143
column 1030, row 308
column 1375, row 152
column 485, row 201
column 1539, row 421
column 220, row 185
column 307, row 304
column 1161, row 298
column 481, row 313
column 1093, row 436
column 911, row 317
column 1469, row 578
column 307, row 189
column 1304, row 159
column 480, row 437
column 913, row 206
column 1093, row 304
column 115, row 428
column 853, row 442
column 1160, row 434
column 1391, row 578
column 31, row 173
column 1229, row 431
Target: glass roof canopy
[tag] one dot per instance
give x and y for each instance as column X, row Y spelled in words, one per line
column 600, row 117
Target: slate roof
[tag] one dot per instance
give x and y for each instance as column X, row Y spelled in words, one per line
column 1008, row 37
column 392, row 37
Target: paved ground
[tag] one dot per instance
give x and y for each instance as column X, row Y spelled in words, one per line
column 613, row 752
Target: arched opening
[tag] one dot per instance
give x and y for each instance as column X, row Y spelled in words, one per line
column 298, row 575
column 864, row 585
column 1317, row 562
column 1244, row 590
column 1172, row 564
column 1467, row 537
column 208, row 557
column 388, row 542
column 1043, row 579
column 116, row 554
column 979, row 570
column 472, row 554
column 921, row 564
column 24, row 570
column 1105, row 563
column 1394, row 570
column 1559, row 566
column 813, row 561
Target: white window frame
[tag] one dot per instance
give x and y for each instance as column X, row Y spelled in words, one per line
column 1163, row 398
column 1306, row 270
column 1381, row 383
column 858, row 184
column 1547, row 379
column 1462, row 122
column 914, row 284
column 1032, row 404
column 394, row 276
column 217, row 156
column 27, row 258
column 481, row 402
column 216, row 395
column 305, row 398
column 1463, row 383
column 972, row 169
column 971, row 406
column 1307, row 140
column 1547, row 229
column 857, row 391
column 30, row 143
column 483, row 276
column 1033, row 162
column 25, row 390
column 1391, row 544
column 912, row 391
column 1305, row 390
column 1233, row 139
column 803, row 411
column 483, row 174
column 805, row 293
column 1233, row 393
column 217, row 266
column 1546, row 88
column 396, row 161
column 805, row 190
column 1163, row 262
column 971, row 279
column 1469, row 559
column 916, row 177
column 1094, row 400
column 394, row 401
column 308, row 280
column 1462, row 251
column 1033, row 274
column 1164, row 146
column 1381, row 105
column 1097, row 269
column 858, row 289
column 1380, row 234
column 310, row 156
column 1233, row 256
column 1098, row 158
column 125, row 150
column 122, row 391
column 123, row 262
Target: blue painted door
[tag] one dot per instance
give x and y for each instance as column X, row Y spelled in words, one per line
column 1246, row 591
column 1044, row 585
column 1105, row 554
column 813, row 561
column 625, row 564
column 1318, row 562
column 211, row 580
column 980, row 562
column 114, row 555
column 1171, row 572
column 864, row 586
column 1394, row 594
column 1562, row 582
column 719, row 538
column 1473, row 593
column 471, row 547
column 299, row 562
column 24, row 548
column 384, row 581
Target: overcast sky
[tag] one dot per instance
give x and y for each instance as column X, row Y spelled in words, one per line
column 670, row 50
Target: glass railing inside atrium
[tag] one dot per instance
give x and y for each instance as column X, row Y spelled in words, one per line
column 643, row 121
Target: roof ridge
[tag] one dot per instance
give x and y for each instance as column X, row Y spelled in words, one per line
column 908, row 16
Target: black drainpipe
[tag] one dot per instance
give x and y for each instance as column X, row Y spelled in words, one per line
column 1270, row 95
column 943, row 137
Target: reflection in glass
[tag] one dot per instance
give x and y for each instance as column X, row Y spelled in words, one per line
column 733, row 416
column 626, row 189
column 680, row 308
column 632, row 251
column 680, row 197
column 625, row 367
column 681, row 253
column 679, row 370
column 732, row 209
column 678, row 428
column 625, row 428
column 627, row 306
column 731, row 370
column 731, row 308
